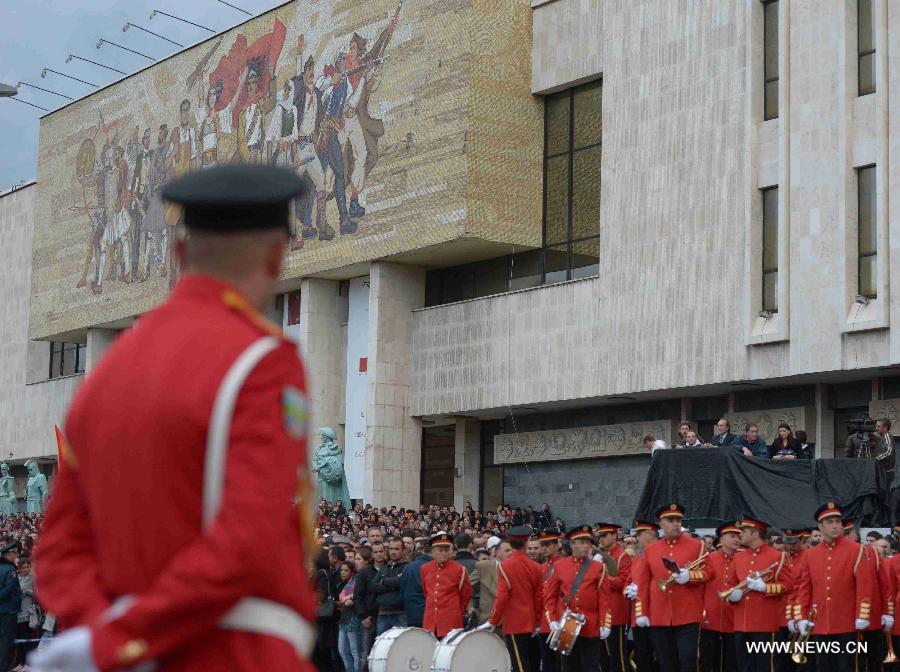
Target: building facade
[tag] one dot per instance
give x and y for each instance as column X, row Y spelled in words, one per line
column 581, row 222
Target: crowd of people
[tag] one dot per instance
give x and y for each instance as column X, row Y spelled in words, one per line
column 371, row 575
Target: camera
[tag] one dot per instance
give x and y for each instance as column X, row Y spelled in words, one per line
column 864, row 425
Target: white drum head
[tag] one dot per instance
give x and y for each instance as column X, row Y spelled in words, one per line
column 476, row 650
column 402, row 650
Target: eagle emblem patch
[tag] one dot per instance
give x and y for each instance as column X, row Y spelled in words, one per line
column 296, row 413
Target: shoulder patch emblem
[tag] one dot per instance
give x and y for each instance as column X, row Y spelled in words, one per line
column 296, row 413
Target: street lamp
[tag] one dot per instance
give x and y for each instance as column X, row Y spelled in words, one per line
column 162, row 37
column 101, row 42
column 7, row 91
column 87, row 60
column 40, row 88
column 62, row 74
column 178, row 18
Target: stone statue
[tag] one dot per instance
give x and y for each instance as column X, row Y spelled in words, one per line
column 329, row 465
column 36, row 490
column 7, row 491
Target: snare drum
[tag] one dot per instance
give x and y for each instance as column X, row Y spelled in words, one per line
column 402, row 650
column 475, row 650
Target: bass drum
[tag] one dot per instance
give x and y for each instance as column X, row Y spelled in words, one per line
column 402, row 650
column 462, row 651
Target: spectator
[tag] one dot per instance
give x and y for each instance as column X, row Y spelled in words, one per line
column 464, row 547
column 807, row 450
column 723, row 438
column 374, row 535
column 325, row 654
column 683, row 430
column 29, row 612
column 545, row 518
column 411, row 587
column 884, row 446
column 531, row 516
column 349, row 628
column 785, row 447
column 409, row 543
column 752, row 444
column 653, row 444
column 386, row 587
column 559, row 526
column 815, row 538
column 484, row 581
column 692, row 440
column 364, row 595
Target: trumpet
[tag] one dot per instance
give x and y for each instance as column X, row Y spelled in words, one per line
column 799, row 644
column 664, row 584
column 765, row 575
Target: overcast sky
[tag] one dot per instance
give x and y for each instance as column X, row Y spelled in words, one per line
column 37, row 34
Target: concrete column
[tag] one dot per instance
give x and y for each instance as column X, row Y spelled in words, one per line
column 393, row 437
column 98, row 342
column 824, row 424
column 467, row 483
column 322, row 334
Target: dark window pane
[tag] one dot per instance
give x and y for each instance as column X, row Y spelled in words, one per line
column 770, row 37
column 585, row 258
column 771, row 95
column 868, row 237
column 433, row 293
column 867, row 74
column 82, row 355
column 770, row 230
column 557, row 111
column 458, row 284
column 490, row 277
column 556, row 264
column 526, row 270
column 557, row 196
column 585, row 193
column 770, row 291
column 868, row 276
column 69, row 359
column 588, row 124
column 865, row 26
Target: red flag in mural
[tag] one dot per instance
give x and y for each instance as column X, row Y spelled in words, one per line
column 262, row 56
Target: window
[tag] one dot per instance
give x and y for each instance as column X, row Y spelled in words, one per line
column 66, row 359
column 868, row 233
column 572, row 149
column 770, row 250
column 770, row 59
column 865, row 46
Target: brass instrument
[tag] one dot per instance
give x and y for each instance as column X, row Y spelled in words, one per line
column 765, row 575
column 692, row 565
column 799, row 645
column 891, row 657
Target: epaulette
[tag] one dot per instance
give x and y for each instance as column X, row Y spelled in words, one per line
column 234, row 300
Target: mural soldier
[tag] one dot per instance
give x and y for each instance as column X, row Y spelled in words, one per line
column 281, row 135
column 352, row 131
column 140, row 188
column 213, row 124
column 154, row 229
column 334, row 88
column 250, row 123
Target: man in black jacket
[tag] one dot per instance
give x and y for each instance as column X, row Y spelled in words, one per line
column 386, row 586
column 364, row 595
column 10, row 602
column 464, row 547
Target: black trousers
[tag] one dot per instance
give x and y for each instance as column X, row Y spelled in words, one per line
column 717, row 652
column 676, row 647
column 549, row 657
column 613, row 652
column 585, row 656
column 519, row 647
column 643, row 650
column 757, row 660
column 876, row 650
column 826, row 661
column 8, row 626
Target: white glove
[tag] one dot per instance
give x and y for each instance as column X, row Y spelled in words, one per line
column 681, row 576
column 735, row 596
column 792, row 626
column 887, row 622
column 604, row 633
column 486, row 626
column 642, row 622
column 70, row 652
column 862, row 623
column 757, row 584
column 631, row 591
column 598, row 557
column 554, row 625
column 803, row 627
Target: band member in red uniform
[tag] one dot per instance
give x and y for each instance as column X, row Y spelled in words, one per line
column 759, row 606
column 151, row 547
column 836, row 579
column 519, row 601
column 717, row 652
column 645, row 534
column 446, row 587
column 882, row 619
column 673, row 614
column 580, row 585
column 549, row 539
column 795, row 545
column 613, row 654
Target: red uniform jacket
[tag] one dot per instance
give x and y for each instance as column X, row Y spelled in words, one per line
column 520, row 595
column 447, row 594
column 618, row 604
column 760, row 612
column 837, row 579
column 893, row 575
column 718, row 613
column 882, row 601
column 592, row 598
column 791, row 605
column 125, row 518
column 636, row 607
column 546, row 571
column 677, row 605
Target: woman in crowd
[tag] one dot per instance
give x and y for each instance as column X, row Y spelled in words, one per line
column 785, row 446
column 350, row 627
